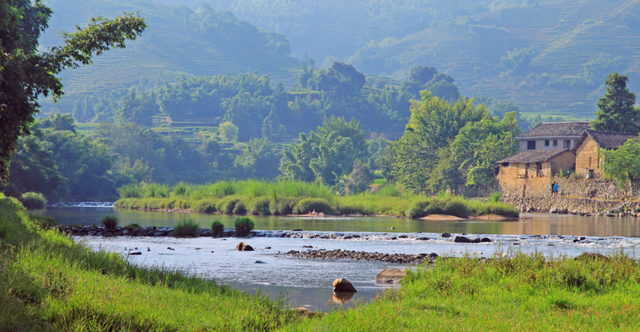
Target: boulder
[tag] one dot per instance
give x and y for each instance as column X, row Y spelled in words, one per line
column 592, row 255
column 135, row 253
column 343, row 285
column 446, row 235
column 461, row 239
column 390, row 276
column 243, row 247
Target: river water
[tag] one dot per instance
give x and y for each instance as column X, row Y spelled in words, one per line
column 308, row 282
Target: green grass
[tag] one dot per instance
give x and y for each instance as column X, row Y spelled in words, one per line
column 109, row 221
column 522, row 293
column 286, row 197
column 50, row 283
column 187, row 228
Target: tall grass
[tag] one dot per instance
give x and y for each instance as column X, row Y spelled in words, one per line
column 285, row 197
column 187, row 228
column 50, row 283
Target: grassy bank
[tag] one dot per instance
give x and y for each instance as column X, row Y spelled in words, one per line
column 287, row 197
column 49, row 283
column 523, row 293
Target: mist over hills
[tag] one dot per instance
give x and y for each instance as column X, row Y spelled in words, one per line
column 178, row 41
column 549, row 57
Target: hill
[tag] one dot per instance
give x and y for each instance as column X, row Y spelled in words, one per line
column 178, row 41
column 551, row 59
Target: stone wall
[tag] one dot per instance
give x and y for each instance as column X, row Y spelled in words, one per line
column 583, row 196
column 587, row 157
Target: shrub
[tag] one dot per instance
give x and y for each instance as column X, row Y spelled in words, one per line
column 217, row 228
column 109, row 221
column 456, row 208
column 495, row 197
column 310, row 204
column 240, row 208
column 130, row 191
column 283, row 206
column 204, row 206
column 243, row 226
column 132, row 226
column 33, row 200
column 44, row 221
column 187, row 228
column 227, row 205
column 260, row 205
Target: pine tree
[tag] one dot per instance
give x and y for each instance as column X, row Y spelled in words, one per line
column 615, row 109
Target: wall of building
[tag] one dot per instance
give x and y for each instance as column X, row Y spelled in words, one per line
column 529, row 180
column 587, row 158
column 540, row 144
column 563, row 162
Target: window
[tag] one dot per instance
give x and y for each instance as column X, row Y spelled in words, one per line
column 589, row 162
column 531, row 145
column 567, row 143
column 546, row 142
column 555, row 142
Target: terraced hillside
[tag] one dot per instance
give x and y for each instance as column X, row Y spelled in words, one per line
column 174, row 44
column 563, row 52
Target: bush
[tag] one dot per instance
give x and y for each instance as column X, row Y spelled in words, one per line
column 130, row 191
column 109, row 221
column 318, row 204
column 132, row 226
column 204, row 206
column 283, row 206
column 227, row 205
column 187, row 228
column 243, row 226
column 33, row 200
column 456, row 208
column 240, row 208
column 260, row 205
column 44, row 221
column 495, row 197
column 217, row 228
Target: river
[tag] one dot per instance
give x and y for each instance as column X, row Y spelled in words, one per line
column 308, row 282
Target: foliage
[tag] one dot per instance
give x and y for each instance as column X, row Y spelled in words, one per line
column 259, row 160
column 622, row 164
column 616, row 110
column 243, row 226
column 32, row 200
column 109, row 221
column 186, row 228
column 309, row 205
column 217, row 228
column 331, row 152
column 358, row 180
column 28, row 74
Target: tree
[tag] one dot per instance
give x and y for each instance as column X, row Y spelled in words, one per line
column 422, row 74
column 328, row 155
column 228, row 131
column 616, row 110
column 623, row 164
column 341, row 80
column 259, row 160
column 26, row 73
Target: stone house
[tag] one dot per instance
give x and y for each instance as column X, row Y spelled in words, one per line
column 552, row 136
column 587, row 150
column 531, row 172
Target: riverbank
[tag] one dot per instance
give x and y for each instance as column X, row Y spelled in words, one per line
column 300, row 198
column 50, row 283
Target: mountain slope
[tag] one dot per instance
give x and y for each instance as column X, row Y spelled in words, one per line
column 178, row 41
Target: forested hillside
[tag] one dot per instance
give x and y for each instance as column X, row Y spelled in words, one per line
column 549, row 57
column 178, row 41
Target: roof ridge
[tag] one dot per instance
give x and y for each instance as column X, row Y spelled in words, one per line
column 609, row 132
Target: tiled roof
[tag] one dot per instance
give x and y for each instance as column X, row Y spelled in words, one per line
column 532, row 156
column 556, row 129
column 605, row 139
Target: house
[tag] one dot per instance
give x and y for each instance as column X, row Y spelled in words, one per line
column 531, row 172
column 588, row 158
column 552, row 136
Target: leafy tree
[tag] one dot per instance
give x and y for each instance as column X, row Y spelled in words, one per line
column 27, row 73
column 326, row 156
column 137, row 108
column 341, row 80
column 623, row 164
column 228, row 132
column 259, row 160
column 58, row 121
column 422, row 74
column 358, row 180
column 616, row 110
column 272, row 128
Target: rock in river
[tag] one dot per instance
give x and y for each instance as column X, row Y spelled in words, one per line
column 343, row 285
column 592, row 255
column 244, row 247
column 390, row 276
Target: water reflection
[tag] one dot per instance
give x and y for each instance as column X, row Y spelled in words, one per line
column 529, row 224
